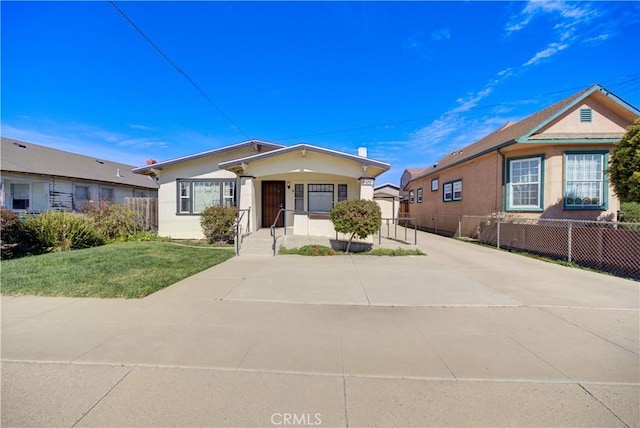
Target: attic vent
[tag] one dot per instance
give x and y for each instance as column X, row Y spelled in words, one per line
column 585, row 115
column 100, row 162
column 22, row 146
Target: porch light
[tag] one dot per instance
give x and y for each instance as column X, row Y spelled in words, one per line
column 288, row 185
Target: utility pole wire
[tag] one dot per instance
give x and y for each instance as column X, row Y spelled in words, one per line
column 181, row 71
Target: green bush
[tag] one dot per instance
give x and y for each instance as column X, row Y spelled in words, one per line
column 316, row 250
column 394, row 252
column 217, row 223
column 62, row 231
column 630, row 212
column 357, row 217
column 115, row 221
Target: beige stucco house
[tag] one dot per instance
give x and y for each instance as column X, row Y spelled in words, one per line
column 552, row 164
column 260, row 178
column 387, row 196
column 36, row 178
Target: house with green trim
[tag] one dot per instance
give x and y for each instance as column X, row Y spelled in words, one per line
column 551, row 164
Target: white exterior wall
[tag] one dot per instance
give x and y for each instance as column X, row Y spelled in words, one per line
column 46, row 193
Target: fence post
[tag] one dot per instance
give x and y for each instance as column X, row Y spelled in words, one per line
column 498, row 233
column 459, row 226
column 405, row 230
column 569, row 242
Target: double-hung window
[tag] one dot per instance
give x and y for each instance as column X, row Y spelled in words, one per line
column 342, row 192
column 452, row 191
column 320, row 197
column 196, row 195
column 585, row 180
column 299, row 197
column 525, row 183
column 411, row 196
column 419, row 195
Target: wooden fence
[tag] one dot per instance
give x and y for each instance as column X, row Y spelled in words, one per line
column 147, row 208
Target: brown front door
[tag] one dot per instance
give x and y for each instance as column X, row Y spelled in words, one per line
column 272, row 201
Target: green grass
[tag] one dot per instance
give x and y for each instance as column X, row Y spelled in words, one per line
column 123, row 269
column 321, row 250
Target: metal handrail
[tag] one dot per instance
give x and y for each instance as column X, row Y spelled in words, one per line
column 397, row 220
column 237, row 226
column 273, row 226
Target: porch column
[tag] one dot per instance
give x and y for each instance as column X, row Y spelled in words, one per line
column 247, row 200
column 366, row 187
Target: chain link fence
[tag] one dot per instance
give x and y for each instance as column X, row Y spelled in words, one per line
column 612, row 247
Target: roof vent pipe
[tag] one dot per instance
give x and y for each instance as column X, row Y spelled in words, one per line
column 362, row 152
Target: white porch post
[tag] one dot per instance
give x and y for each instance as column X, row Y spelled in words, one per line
column 247, row 200
column 366, row 187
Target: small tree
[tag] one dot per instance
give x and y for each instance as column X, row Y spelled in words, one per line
column 625, row 165
column 217, row 223
column 357, row 217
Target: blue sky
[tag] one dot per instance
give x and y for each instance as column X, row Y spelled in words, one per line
column 411, row 81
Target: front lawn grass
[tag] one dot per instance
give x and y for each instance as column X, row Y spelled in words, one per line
column 123, row 269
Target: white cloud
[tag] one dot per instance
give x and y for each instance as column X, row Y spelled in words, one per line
column 551, row 50
column 442, row 34
column 86, row 140
column 140, row 127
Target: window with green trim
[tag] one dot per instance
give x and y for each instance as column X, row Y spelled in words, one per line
column 585, row 180
column 525, row 183
column 452, row 191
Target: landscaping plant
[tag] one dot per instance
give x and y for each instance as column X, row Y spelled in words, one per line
column 115, row 221
column 62, row 231
column 217, row 223
column 625, row 165
column 11, row 233
column 357, row 217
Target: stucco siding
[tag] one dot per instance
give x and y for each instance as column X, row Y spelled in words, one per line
column 604, row 120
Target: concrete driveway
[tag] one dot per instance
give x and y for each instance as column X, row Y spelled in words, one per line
column 465, row 336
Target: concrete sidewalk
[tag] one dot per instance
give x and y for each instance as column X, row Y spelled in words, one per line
column 466, row 336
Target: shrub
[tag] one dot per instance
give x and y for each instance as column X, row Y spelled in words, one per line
column 11, row 234
column 10, row 227
column 217, row 223
column 630, row 212
column 357, row 217
column 315, row 250
column 62, row 231
column 114, row 221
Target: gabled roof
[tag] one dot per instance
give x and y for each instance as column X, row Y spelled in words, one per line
column 524, row 130
column 414, row 172
column 249, row 143
column 29, row 158
column 395, row 186
column 305, row 147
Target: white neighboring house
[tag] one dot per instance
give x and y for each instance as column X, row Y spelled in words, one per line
column 388, row 197
column 36, row 178
column 261, row 178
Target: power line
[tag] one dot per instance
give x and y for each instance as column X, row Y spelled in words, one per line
column 633, row 79
column 181, row 71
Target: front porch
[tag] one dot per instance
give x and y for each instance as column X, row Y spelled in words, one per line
column 260, row 242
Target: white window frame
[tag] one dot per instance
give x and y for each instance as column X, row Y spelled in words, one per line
column 419, row 195
column 434, row 184
column 511, row 206
column 577, row 188
column 447, row 192
column 411, row 196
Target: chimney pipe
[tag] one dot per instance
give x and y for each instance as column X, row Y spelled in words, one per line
column 362, row 152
